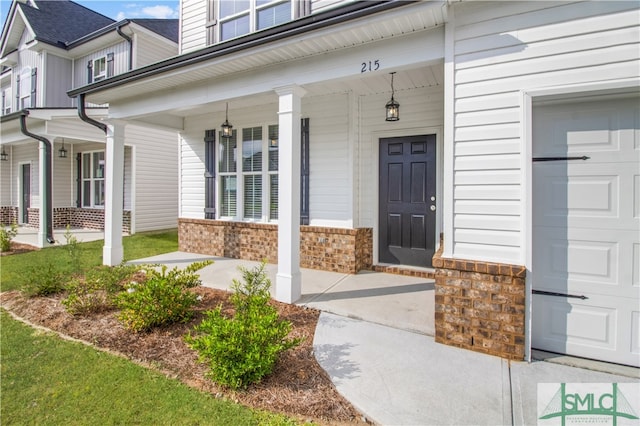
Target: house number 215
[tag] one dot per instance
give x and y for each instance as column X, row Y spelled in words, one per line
column 370, row 66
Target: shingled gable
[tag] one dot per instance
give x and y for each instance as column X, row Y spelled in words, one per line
column 45, row 19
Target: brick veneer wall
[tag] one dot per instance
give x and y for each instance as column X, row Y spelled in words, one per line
column 8, row 215
column 77, row 218
column 480, row 306
column 329, row 249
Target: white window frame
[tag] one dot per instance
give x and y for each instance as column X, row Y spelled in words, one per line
column 102, row 75
column 239, row 174
column 252, row 12
column 25, row 88
column 7, row 106
column 92, row 179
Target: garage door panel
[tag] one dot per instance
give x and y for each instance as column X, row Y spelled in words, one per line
column 595, row 328
column 635, row 280
column 586, row 230
column 586, row 260
column 587, row 196
column 588, row 129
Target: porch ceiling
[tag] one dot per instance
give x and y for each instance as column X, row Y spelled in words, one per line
column 400, row 21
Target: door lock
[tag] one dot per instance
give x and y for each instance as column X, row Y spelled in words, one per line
column 433, row 208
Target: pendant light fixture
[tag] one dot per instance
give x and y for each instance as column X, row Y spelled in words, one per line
column 227, row 128
column 393, row 107
column 62, row 153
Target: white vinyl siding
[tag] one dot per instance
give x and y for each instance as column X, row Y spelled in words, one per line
column 120, row 62
column 59, row 73
column 155, row 156
column 501, row 48
column 193, row 20
column 420, row 109
column 21, row 154
column 150, row 49
column 323, row 5
column 64, row 184
column 6, row 191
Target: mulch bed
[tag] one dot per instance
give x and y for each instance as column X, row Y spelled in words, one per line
column 17, row 248
column 298, row 387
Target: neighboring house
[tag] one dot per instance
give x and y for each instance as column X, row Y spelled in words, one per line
column 48, row 48
column 511, row 174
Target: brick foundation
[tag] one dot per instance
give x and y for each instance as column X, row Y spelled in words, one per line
column 8, row 215
column 480, row 306
column 329, row 249
column 63, row 216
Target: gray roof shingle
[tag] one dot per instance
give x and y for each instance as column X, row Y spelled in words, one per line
column 59, row 22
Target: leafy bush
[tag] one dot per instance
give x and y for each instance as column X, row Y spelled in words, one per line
column 242, row 349
column 98, row 290
column 6, row 235
column 164, row 298
column 45, row 280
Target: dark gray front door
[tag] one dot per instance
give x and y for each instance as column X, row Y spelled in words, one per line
column 407, row 193
column 26, row 192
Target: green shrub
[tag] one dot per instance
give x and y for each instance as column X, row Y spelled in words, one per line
column 98, row 290
column 45, row 280
column 164, row 298
column 6, row 235
column 244, row 348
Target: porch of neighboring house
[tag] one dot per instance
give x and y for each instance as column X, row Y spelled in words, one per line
column 29, row 235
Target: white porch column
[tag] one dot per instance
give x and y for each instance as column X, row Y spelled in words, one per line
column 288, row 278
column 42, row 190
column 112, row 253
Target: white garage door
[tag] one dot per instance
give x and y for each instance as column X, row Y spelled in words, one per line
column 586, row 228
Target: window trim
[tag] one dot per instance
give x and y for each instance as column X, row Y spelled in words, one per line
column 94, row 62
column 239, row 174
column 24, row 82
column 252, row 12
column 92, row 179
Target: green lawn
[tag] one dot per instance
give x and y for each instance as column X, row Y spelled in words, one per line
column 15, row 270
column 47, row 380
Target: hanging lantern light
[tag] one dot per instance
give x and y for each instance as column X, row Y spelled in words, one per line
column 227, row 128
column 3, row 155
column 393, row 107
column 62, row 153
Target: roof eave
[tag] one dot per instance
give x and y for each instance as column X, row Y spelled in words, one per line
column 300, row 26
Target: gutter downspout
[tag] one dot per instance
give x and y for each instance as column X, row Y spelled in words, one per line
column 48, row 175
column 82, row 113
column 130, row 41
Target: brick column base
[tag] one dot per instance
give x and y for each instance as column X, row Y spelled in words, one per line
column 480, row 306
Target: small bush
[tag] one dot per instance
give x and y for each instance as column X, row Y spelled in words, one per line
column 164, row 298
column 244, row 348
column 73, row 249
column 43, row 281
column 98, row 290
column 6, row 235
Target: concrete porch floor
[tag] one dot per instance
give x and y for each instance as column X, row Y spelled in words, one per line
column 27, row 235
column 397, row 301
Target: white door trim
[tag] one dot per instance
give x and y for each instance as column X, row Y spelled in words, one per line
column 527, row 98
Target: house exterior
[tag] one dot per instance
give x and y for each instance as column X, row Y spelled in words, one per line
column 510, row 175
column 53, row 163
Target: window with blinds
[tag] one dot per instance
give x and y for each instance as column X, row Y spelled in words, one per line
column 228, row 179
column 248, row 179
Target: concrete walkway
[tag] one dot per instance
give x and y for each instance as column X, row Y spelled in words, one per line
column 374, row 339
